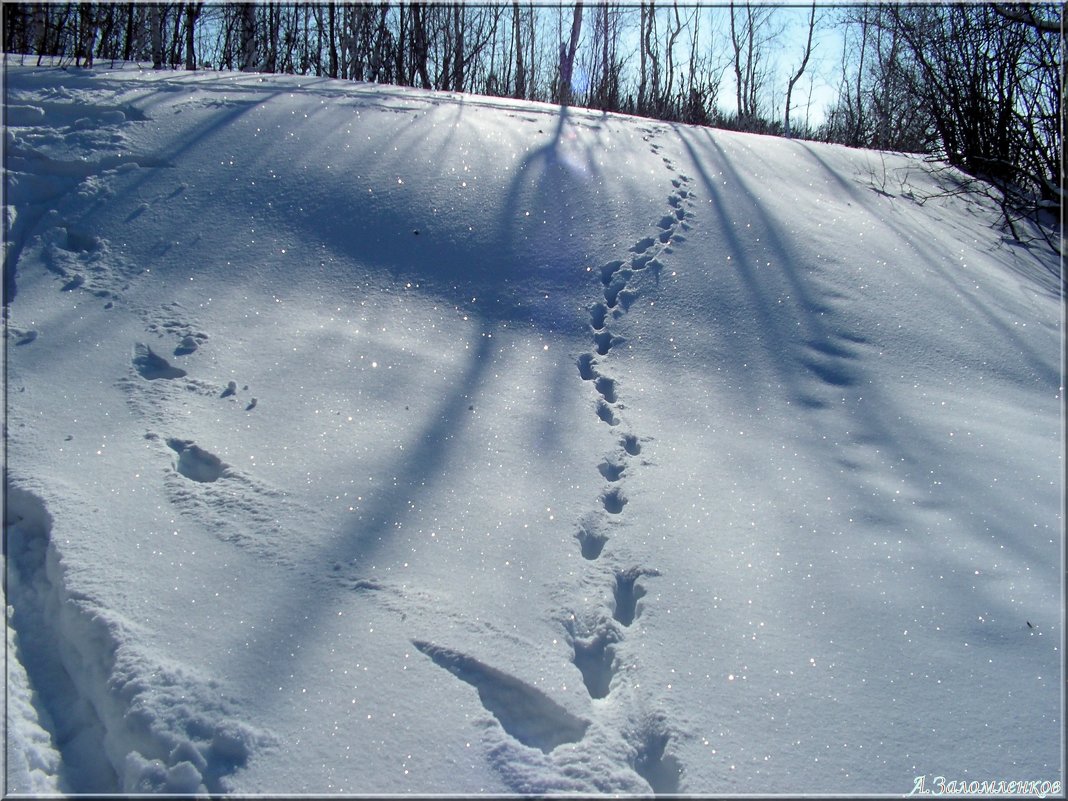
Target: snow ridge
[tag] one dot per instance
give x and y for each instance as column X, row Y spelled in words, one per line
column 119, row 722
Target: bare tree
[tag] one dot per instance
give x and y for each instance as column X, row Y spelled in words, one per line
column 155, row 21
column 567, row 57
column 800, row 70
column 750, row 35
column 520, row 69
column 192, row 11
column 249, row 51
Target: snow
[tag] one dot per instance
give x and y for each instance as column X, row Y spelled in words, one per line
column 364, row 439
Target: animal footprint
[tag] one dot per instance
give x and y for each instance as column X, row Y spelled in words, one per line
column 598, row 313
column 610, row 471
column 619, row 280
column 640, row 262
column 609, row 270
column 627, row 592
column 614, row 501
column 195, row 463
column 631, row 444
column 651, row 761
column 605, row 413
column 594, row 657
column 604, row 342
column 585, row 367
column 22, row 337
column 592, row 542
column 153, row 366
column 607, row 388
column 642, row 245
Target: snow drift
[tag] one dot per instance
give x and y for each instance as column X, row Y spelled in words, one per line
column 375, row 440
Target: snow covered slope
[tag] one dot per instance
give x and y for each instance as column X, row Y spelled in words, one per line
column 373, row 440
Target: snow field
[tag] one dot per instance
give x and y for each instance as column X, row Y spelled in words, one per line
column 373, row 440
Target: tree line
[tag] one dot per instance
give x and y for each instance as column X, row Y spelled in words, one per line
column 977, row 85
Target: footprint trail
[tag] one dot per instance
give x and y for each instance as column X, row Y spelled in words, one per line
column 598, row 636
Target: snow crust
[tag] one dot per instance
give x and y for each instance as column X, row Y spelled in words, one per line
column 371, row 440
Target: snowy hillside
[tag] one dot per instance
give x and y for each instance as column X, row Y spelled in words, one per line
column 375, row 440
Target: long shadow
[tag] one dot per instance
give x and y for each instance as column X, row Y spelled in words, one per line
column 804, row 313
column 150, row 162
column 544, row 174
column 428, row 452
column 1044, row 372
column 745, row 269
column 425, row 462
column 880, row 422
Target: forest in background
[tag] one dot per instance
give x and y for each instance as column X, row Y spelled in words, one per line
column 975, row 85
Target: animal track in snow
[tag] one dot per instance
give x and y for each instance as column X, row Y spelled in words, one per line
column 641, row 262
column 627, row 592
column 195, row 463
column 618, row 282
column 598, row 313
column 607, row 388
column 605, row 413
column 585, row 367
column 188, row 345
column 524, row 711
column 610, row 471
column 81, row 260
column 614, row 501
column 591, row 542
column 831, row 373
column 643, row 245
column 609, row 270
column 20, row 336
column 170, row 320
column 236, row 507
column 660, row 769
column 830, row 361
column 594, row 649
column 605, row 341
column 152, row 366
column 594, row 656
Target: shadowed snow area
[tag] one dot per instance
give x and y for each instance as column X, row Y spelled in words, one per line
column 372, row 440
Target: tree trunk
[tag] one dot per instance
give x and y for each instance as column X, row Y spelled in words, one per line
column 249, row 54
column 156, row 25
column 520, row 73
column 642, row 68
column 127, row 52
column 420, row 45
column 86, row 35
column 567, row 56
column 800, row 70
column 458, row 54
column 192, row 11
